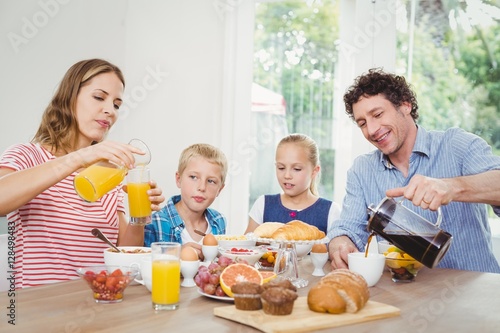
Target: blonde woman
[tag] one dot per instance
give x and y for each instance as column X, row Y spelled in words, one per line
column 49, row 225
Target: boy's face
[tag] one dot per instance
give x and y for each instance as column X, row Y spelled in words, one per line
column 200, row 183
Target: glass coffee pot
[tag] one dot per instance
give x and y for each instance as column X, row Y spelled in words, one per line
column 410, row 232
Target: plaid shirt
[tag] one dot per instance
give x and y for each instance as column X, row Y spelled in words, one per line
column 167, row 225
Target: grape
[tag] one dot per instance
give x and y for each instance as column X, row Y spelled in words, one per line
column 197, row 280
column 205, row 276
column 214, row 279
column 213, row 266
column 202, row 268
column 209, row 289
column 219, row 292
column 225, row 261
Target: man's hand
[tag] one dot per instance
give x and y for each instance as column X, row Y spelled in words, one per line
column 426, row 192
column 338, row 250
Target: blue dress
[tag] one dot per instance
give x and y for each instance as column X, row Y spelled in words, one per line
column 316, row 214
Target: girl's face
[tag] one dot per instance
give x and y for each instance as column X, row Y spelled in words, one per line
column 97, row 107
column 200, row 183
column 294, row 171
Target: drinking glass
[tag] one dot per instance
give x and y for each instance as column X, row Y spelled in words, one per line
column 166, row 280
column 138, row 199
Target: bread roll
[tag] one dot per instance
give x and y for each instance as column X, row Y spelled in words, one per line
column 298, row 230
column 266, row 229
column 339, row 291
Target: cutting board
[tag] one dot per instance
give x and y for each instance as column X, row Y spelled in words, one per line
column 304, row 320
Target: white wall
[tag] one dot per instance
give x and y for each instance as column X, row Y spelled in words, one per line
column 187, row 75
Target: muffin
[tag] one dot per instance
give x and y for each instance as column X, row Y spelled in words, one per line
column 247, row 296
column 278, row 301
column 283, row 283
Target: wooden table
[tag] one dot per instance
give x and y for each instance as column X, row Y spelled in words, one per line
column 440, row 300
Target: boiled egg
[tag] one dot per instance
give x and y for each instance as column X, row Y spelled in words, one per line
column 319, row 248
column 189, row 254
column 210, row 240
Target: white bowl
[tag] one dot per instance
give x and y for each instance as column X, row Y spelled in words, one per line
column 230, row 241
column 146, row 273
column 303, row 249
column 131, row 256
column 250, row 255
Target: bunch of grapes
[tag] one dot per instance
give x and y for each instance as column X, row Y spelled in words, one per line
column 207, row 278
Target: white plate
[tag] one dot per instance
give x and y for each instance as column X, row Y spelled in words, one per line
column 220, row 298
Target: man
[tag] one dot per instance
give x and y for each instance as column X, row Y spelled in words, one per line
column 453, row 169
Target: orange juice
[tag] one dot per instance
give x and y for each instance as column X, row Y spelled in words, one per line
column 166, row 282
column 98, row 179
column 138, row 199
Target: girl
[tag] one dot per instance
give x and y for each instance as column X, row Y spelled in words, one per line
column 50, row 224
column 297, row 170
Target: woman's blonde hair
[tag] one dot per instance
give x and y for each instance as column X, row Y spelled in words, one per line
column 313, row 155
column 59, row 126
column 208, row 152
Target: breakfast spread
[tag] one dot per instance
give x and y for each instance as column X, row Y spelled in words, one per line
column 293, row 230
column 337, row 292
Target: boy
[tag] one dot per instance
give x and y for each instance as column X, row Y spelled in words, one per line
column 200, row 176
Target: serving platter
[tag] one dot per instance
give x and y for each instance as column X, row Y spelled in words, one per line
column 219, row 298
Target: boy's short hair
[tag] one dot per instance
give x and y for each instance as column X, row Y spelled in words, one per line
column 209, row 152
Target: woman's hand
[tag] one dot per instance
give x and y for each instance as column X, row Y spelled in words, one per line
column 118, row 153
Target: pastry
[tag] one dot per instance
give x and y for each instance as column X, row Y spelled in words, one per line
column 247, row 296
column 339, row 291
column 298, row 230
column 279, row 282
column 266, row 229
column 278, row 301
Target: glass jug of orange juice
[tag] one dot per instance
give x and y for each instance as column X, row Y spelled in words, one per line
column 100, row 178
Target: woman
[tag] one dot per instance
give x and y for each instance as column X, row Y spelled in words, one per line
column 49, row 224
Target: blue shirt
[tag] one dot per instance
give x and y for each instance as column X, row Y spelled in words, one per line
column 167, row 225
column 452, row 153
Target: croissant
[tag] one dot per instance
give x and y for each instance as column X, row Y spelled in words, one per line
column 298, row 230
column 266, row 229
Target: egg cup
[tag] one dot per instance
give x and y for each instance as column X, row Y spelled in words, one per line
column 188, row 271
column 319, row 260
column 209, row 252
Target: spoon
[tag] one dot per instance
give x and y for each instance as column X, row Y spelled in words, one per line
column 97, row 233
column 201, row 233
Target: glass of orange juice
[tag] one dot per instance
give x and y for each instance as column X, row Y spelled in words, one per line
column 100, row 178
column 166, row 279
column 138, row 199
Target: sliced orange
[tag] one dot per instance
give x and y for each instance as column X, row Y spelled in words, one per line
column 267, row 276
column 239, row 272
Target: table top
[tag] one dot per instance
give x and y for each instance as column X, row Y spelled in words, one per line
column 440, row 300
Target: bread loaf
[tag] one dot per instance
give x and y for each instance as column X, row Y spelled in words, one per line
column 266, row 229
column 339, row 291
column 298, row 230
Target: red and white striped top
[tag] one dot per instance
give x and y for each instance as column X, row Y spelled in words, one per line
column 53, row 231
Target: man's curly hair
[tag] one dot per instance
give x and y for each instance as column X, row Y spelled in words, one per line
column 376, row 81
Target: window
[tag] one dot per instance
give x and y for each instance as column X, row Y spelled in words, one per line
column 295, row 57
